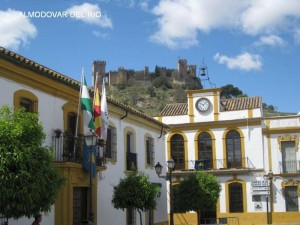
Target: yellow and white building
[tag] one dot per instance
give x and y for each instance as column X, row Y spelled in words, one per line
column 256, row 158
column 134, row 141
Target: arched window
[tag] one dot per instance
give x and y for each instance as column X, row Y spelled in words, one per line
column 26, row 100
column 235, row 197
column 177, row 151
column 233, row 149
column 205, row 149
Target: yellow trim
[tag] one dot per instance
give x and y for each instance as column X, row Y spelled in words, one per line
column 242, row 146
column 288, row 138
column 191, row 108
column 186, row 159
column 243, row 183
column 291, row 183
column 71, row 107
column 216, row 105
column 75, row 177
column 159, row 118
column 213, row 140
column 250, row 113
column 203, row 90
column 25, row 94
column 281, row 130
column 215, row 125
column 269, row 151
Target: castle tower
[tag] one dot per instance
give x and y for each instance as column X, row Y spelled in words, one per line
column 182, row 69
column 98, row 67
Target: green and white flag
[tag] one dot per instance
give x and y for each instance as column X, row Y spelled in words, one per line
column 86, row 107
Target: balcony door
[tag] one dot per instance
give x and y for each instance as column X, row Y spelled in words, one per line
column 288, row 157
column 233, row 149
column 177, row 151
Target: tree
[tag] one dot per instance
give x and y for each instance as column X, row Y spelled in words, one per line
column 29, row 182
column 192, row 83
column 135, row 191
column 229, row 91
column 198, row 192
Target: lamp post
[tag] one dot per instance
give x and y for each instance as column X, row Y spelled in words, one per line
column 270, row 177
column 158, row 170
column 92, row 140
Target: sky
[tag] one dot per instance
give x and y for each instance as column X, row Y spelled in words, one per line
column 251, row 44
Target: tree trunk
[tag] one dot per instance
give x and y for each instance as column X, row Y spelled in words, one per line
column 141, row 221
column 198, row 217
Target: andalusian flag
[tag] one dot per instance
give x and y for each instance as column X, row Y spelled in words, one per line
column 86, row 107
column 97, row 111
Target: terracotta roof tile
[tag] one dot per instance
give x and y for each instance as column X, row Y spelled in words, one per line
column 175, row 109
column 228, row 105
column 241, row 103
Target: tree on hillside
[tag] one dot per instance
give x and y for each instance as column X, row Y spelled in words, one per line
column 29, row 182
column 192, row 83
column 197, row 192
column 135, row 192
column 229, row 91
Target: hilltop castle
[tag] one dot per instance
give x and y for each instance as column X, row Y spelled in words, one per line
column 122, row 75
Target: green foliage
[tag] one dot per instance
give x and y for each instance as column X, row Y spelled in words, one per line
column 192, row 83
column 29, row 182
column 199, row 191
column 135, row 191
column 150, row 91
column 160, row 82
column 180, row 96
column 229, row 91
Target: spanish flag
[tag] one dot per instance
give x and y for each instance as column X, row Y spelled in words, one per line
column 97, row 111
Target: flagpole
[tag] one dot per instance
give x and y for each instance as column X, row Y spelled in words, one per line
column 77, row 118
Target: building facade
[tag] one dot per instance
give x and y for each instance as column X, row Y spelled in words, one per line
column 256, row 158
column 135, row 141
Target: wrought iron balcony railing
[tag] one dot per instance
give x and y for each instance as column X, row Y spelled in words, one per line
column 289, row 166
column 68, row 148
column 215, row 164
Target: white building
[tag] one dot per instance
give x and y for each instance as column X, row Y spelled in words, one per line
column 134, row 141
column 256, row 158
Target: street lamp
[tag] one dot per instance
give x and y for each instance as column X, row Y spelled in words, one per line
column 158, row 170
column 92, row 140
column 270, row 177
column 269, row 212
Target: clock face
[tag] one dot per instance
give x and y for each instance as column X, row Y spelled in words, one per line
column 202, row 104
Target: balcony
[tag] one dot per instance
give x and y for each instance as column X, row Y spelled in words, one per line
column 215, row 165
column 68, row 148
column 289, row 167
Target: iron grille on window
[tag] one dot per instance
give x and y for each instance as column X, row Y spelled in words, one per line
column 235, row 197
column 111, row 144
column 291, row 198
column 150, row 151
column 131, row 216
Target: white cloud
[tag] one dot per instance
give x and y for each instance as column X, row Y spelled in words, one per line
column 91, row 14
column 179, row 21
column 271, row 40
column 244, row 61
column 15, row 29
column 98, row 34
column 297, row 36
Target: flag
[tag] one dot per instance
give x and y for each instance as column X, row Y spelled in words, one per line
column 87, row 157
column 104, row 113
column 97, row 111
column 86, row 107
